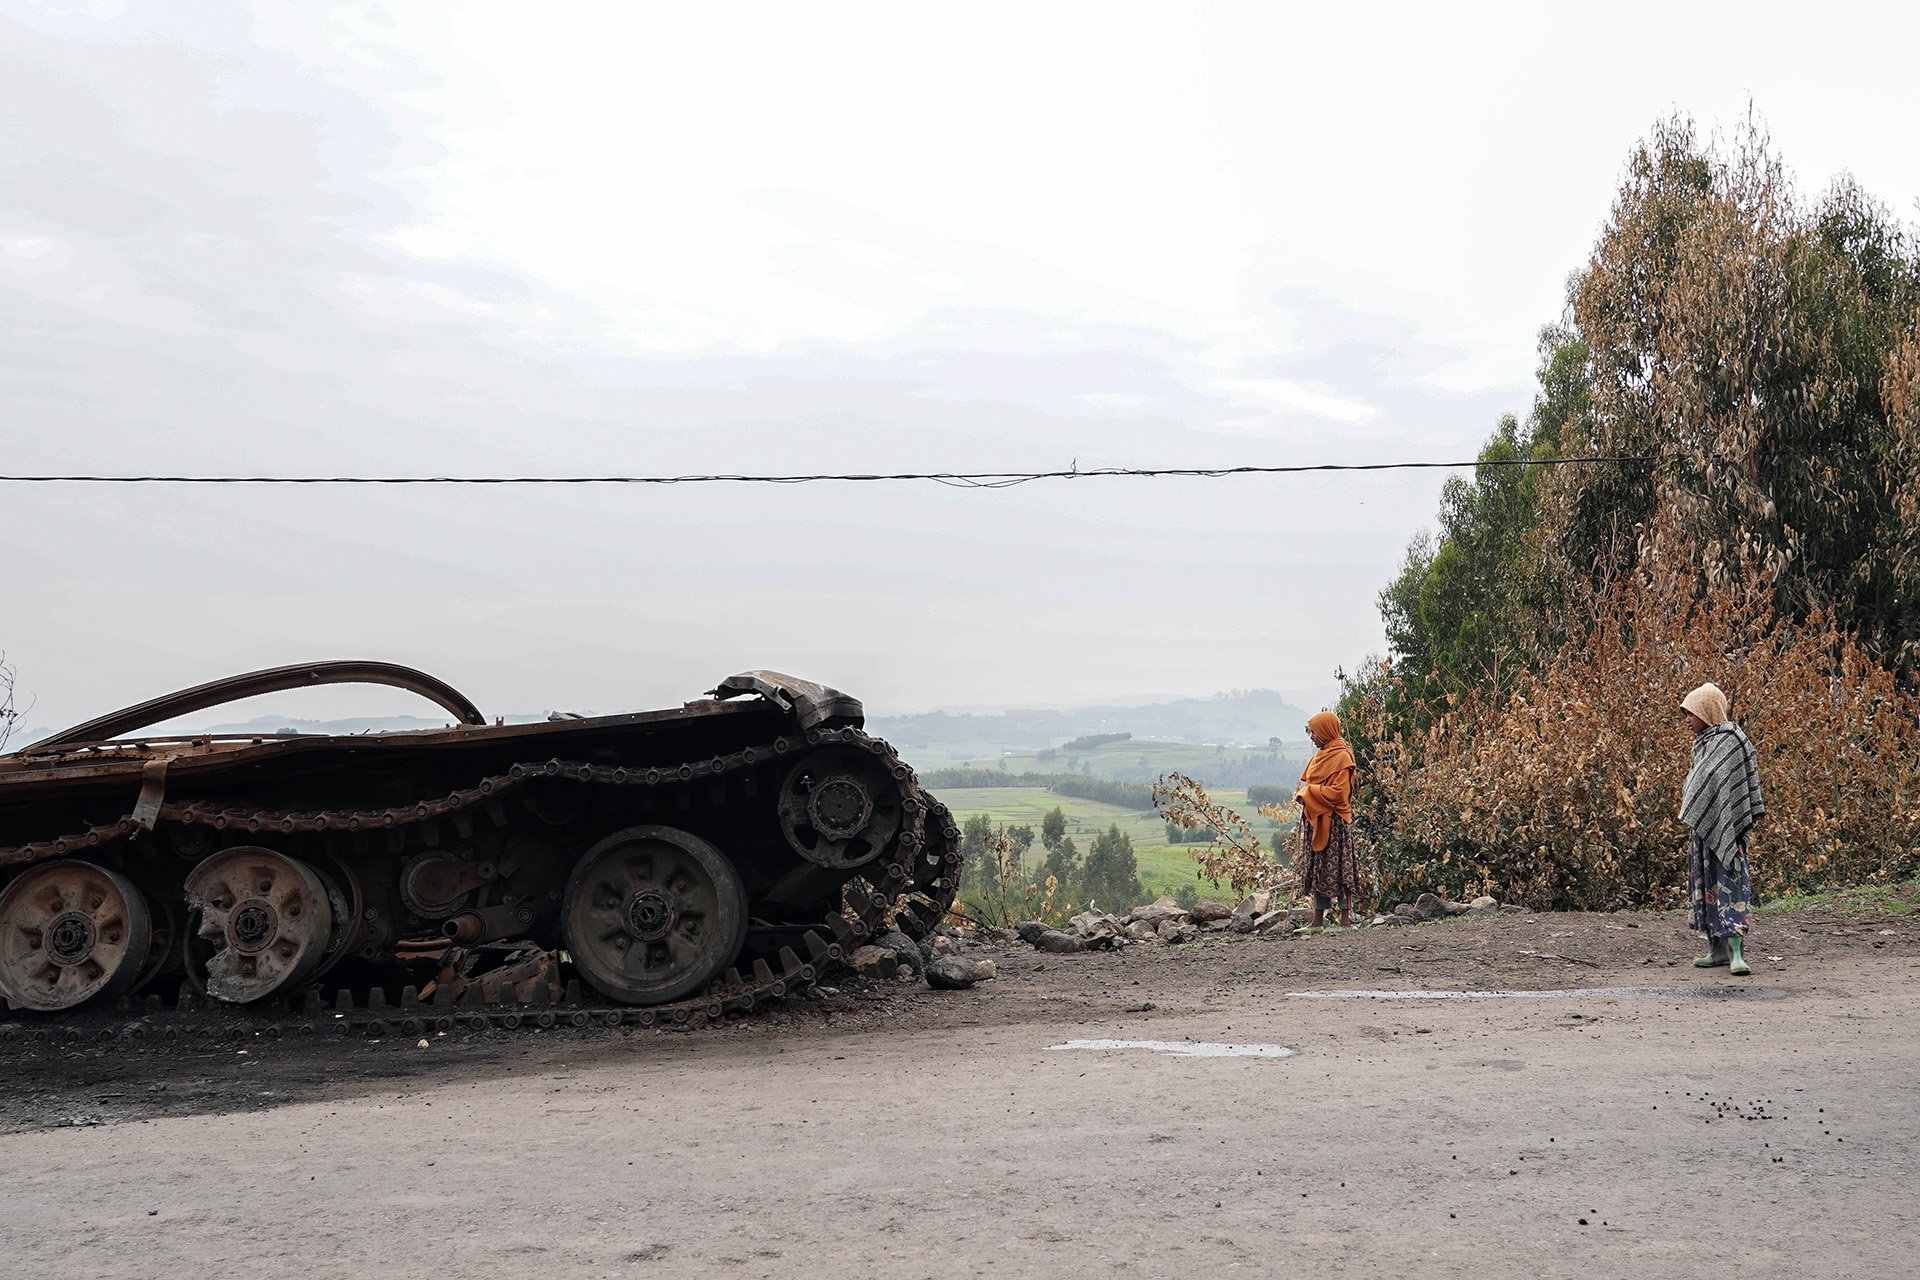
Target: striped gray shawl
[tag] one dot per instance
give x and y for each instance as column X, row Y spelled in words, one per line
column 1722, row 800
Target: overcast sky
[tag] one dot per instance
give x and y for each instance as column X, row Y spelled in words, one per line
column 506, row 238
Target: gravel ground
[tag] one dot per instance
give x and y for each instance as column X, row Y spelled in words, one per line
column 1643, row 1119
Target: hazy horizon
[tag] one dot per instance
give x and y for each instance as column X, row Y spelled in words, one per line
column 291, row 709
column 424, row 239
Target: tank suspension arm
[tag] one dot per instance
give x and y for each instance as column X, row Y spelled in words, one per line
column 273, row 680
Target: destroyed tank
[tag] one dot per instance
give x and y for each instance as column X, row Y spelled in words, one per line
column 673, row 864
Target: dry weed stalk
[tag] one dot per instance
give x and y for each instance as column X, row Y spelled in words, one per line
column 1011, row 894
column 9, row 712
column 1232, row 853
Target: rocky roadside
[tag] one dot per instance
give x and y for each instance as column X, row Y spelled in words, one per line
column 939, row 962
column 1165, row 922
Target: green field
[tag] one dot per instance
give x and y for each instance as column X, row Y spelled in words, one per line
column 1143, row 760
column 1163, row 866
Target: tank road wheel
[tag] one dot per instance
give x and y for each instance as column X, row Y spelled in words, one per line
column 71, row 932
column 345, row 902
column 268, row 918
column 164, row 950
column 839, row 807
column 653, row 914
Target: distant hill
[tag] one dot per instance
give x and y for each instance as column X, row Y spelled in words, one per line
column 284, row 724
column 1241, row 718
column 363, row 724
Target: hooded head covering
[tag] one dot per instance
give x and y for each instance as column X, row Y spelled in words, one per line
column 1708, row 703
column 1326, row 787
column 1325, row 728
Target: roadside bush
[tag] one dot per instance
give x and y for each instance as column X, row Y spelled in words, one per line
column 1563, row 793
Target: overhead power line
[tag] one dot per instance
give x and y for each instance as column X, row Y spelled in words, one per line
column 961, row 479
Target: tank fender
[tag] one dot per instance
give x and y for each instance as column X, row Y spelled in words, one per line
column 811, row 704
column 302, row 675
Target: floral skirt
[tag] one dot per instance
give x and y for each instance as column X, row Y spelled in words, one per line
column 1332, row 872
column 1718, row 898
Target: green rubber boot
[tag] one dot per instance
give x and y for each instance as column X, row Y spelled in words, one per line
column 1739, row 966
column 1718, row 956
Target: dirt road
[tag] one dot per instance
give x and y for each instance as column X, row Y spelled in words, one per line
column 1684, row 1123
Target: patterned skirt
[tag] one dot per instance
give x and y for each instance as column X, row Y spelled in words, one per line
column 1332, row 872
column 1718, row 898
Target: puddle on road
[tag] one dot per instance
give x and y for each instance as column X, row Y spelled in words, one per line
column 1184, row 1048
column 1661, row 993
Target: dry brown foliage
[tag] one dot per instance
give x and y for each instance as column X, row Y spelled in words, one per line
column 1764, row 351
column 1563, row 794
column 1233, row 855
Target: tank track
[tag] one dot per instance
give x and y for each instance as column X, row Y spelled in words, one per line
column 911, row 886
column 936, row 881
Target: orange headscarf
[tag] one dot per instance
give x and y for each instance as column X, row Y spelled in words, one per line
column 1326, row 786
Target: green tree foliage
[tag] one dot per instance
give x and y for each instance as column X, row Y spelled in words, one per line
column 1130, row 795
column 1111, row 877
column 1053, row 827
column 1020, row 839
column 1473, row 605
column 1063, row 864
column 1466, row 603
column 1094, row 741
column 974, row 869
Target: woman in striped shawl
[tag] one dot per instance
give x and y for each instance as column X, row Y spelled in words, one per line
column 1720, row 803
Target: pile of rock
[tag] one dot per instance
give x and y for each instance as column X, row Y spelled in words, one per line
column 1162, row 920
column 1431, row 906
column 896, row 956
column 1265, row 912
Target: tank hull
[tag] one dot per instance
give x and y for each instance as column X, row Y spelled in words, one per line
column 686, row 861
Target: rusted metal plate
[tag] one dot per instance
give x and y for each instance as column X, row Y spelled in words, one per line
column 252, row 684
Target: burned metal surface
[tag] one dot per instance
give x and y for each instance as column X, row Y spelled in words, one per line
column 678, row 863
column 811, row 704
column 309, row 675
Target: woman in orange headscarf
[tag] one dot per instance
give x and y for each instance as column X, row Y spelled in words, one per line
column 1327, row 864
